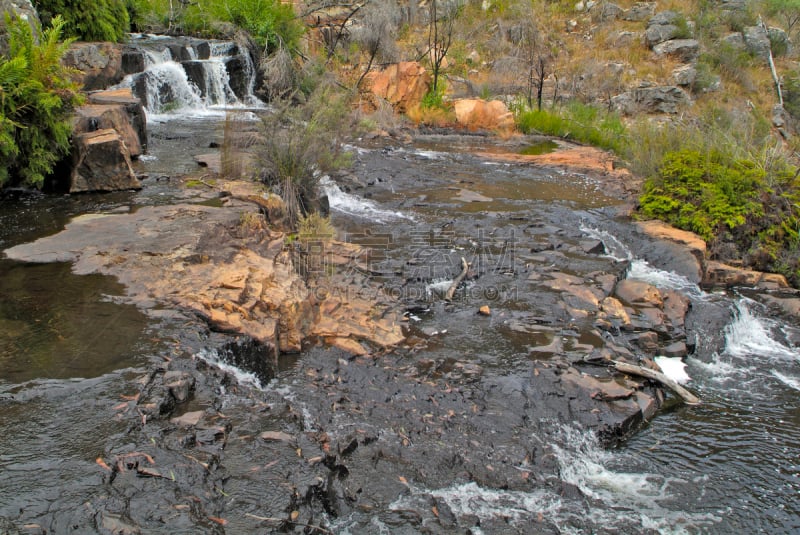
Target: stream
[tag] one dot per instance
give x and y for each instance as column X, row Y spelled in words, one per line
column 442, row 435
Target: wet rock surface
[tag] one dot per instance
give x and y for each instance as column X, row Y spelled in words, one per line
column 410, row 439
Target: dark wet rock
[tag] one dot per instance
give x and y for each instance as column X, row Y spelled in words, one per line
column 180, row 384
column 237, row 76
column 593, row 247
column 677, row 349
column 710, row 318
column 101, row 162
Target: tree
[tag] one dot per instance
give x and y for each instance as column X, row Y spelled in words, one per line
column 443, row 15
column 533, row 48
column 375, row 34
column 787, row 10
column 37, row 97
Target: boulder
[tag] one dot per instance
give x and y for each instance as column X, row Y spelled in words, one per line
column 685, row 75
column 24, row 9
column 675, row 250
column 479, row 113
column 94, row 117
column 685, row 50
column 718, row 274
column 98, row 65
column 661, row 27
column 779, row 39
column 607, row 11
column 735, row 40
column 640, row 11
column 756, row 40
column 101, row 162
column 662, row 99
column 636, row 292
column 402, row 84
column 133, row 107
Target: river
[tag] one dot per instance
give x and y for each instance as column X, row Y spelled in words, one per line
column 442, row 435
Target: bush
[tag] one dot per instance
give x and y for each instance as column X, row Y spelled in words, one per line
column 271, row 23
column 88, row 20
column 300, row 144
column 36, row 99
column 756, row 207
column 703, row 192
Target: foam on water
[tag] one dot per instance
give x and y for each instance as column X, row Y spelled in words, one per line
column 751, row 335
column 614, row 248
column 674, row 368
column 752, row 359
column 617, row 499
column 357, row 206
column 788, row 380
column 242, row 377
column 667, row 280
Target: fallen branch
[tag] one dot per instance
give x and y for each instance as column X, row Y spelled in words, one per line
column 453, row 287
column 688, row 397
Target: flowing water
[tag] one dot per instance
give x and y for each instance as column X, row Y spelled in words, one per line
column 70, row 348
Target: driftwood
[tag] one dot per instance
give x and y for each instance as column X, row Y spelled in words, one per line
column 453, row 287
column 688, row 397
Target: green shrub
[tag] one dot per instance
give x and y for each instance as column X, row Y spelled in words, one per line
column 36, row 99
column 271, row 23
column 88, row 20
column 755, row 206
column 576, row 121
column 702, row 192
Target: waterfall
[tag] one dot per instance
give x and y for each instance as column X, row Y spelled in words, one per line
column 193, row 77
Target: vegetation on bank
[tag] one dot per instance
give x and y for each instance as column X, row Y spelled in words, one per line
column 271, row 23
column 36, row 101
column 87, row 20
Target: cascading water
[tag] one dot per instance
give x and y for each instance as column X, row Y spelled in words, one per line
column 193, row 77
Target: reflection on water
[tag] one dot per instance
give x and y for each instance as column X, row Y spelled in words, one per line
column 54, row 324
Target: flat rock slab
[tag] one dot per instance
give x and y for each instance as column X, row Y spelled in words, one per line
column 192, row 257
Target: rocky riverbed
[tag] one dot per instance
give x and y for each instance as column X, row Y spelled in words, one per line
column 403, row 408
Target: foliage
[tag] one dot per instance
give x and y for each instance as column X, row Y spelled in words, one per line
column 36, row 98
column 791, row 94
column 299, row 145
column 271, row 23
column 88, row 20
column 702, row 192
column 787, row 11
column 754, row 206
column 576, row 121
column 315, row 227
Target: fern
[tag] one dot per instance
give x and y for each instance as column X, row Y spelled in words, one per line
column 36, row 99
